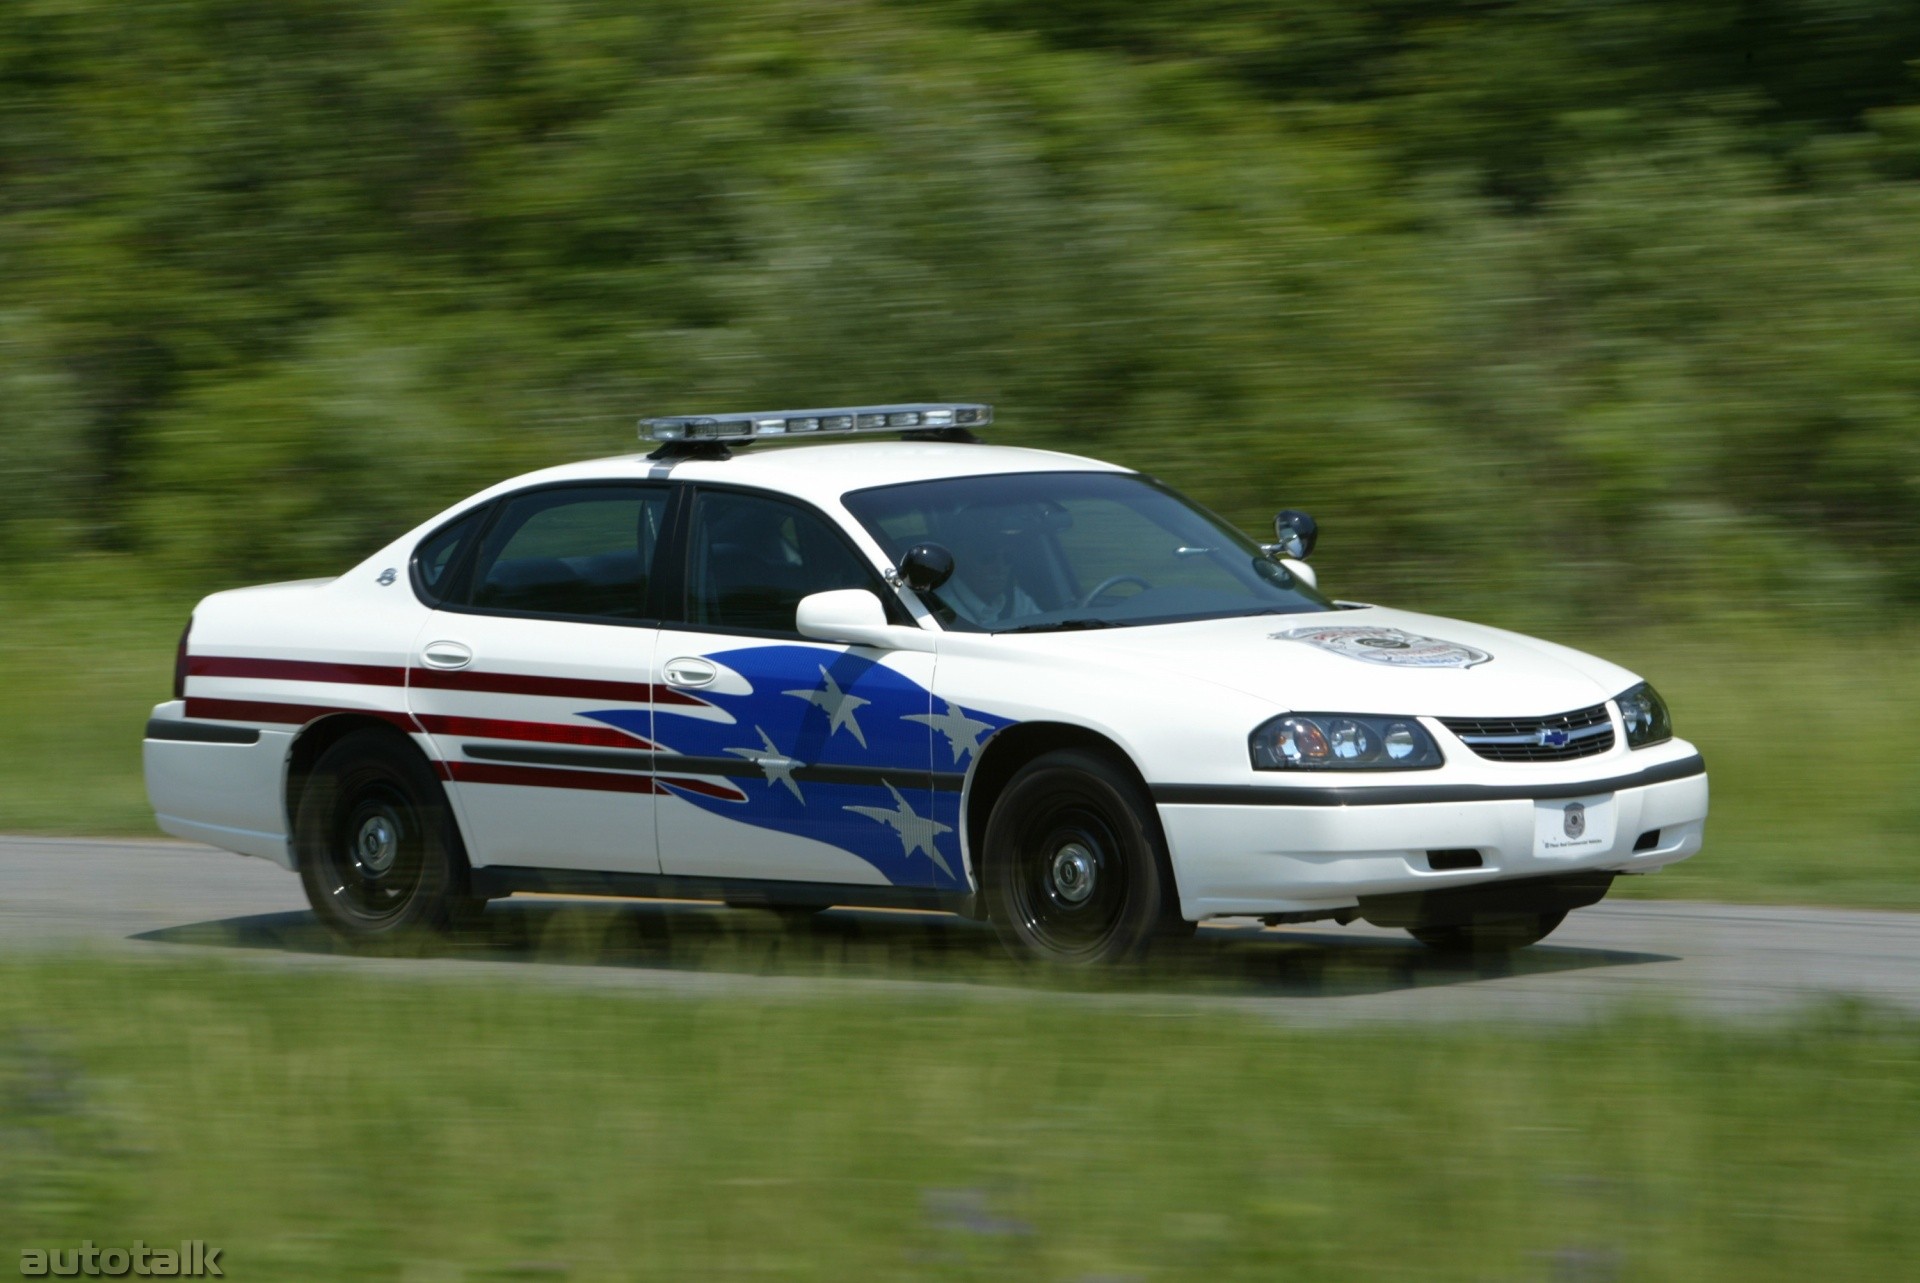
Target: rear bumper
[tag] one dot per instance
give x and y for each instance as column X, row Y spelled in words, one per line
column 1281, row 859
column 218, row 784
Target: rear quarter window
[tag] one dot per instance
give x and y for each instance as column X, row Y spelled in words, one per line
column 437, row 559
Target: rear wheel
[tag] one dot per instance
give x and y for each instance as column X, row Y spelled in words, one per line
column 379, row 854
column 1075, row 871
column 1490, row 935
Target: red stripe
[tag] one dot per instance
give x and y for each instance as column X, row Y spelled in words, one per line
column 295, row 670
column 725, row 792
column 528, row 684
column 548, row 777
column 250, row 710
column 244, row 710
column 533, row 732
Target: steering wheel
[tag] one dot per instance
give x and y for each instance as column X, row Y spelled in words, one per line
column 1111, row 581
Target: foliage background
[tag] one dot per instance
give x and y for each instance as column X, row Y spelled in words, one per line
column 1597, row 318
column 1562, row 306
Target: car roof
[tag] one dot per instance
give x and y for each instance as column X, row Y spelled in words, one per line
column 822, row 473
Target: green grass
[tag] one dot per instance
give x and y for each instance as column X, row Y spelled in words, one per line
column 1812, row 744
column 322, row 1125
column 1810, row 738
column 80, row 676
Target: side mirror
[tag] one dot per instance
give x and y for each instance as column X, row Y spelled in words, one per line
column 926, row 566
column 855, row 617
column 1296, row 533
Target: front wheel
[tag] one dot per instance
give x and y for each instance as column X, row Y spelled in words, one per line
column 378, row 851
column 1075, row 869
column 1490, row 935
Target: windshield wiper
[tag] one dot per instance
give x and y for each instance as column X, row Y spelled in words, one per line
column 1059, row 626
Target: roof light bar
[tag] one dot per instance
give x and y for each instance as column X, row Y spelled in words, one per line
column 930, row 417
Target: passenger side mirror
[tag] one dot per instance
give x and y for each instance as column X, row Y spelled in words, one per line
column 1296, row 532
column 926, row 566
column 855, row 617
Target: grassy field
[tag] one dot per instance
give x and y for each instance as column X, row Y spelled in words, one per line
column 316, row 1125
column 1810, row 739
column 1810, row 745
column 81, row 676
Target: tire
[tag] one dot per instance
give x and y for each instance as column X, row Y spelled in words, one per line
column 1490, row 935
column 1075, row 870
column 379, row 853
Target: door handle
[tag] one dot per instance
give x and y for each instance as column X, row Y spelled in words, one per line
column 688, row 671
column 445, row 654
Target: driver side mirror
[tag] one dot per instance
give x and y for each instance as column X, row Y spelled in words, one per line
column 1296, row 532
column 926, row 566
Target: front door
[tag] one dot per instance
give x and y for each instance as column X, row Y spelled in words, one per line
column 534, row 680
column 800, row 761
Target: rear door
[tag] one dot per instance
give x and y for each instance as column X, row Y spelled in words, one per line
column 533, row 676
column 800, row 761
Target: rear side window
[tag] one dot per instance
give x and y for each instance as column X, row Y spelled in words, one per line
column 438, row 556
column 583, row 552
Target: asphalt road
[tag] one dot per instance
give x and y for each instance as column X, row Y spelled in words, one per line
column 171, row 899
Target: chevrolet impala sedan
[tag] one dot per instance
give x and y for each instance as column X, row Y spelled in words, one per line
column 903, row 668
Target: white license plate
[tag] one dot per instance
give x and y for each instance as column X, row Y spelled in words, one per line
column 1574, row 826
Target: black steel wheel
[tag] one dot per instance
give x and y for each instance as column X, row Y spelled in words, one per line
column 1490, row 935
column 1075, row 870
column 377, row 847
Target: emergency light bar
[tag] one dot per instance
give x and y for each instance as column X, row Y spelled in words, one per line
column 930, row 417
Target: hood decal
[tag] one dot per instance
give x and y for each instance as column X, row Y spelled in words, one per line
column 1393, row 646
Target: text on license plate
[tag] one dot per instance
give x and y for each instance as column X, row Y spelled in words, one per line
column 1573, row 826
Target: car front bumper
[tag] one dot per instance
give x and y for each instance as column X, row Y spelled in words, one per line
column 1268, row 857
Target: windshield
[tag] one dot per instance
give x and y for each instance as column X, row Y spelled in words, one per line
column 1060, row 550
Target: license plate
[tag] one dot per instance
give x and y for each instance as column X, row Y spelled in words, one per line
column 1573, row 826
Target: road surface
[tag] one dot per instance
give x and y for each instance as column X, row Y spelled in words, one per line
column 173, row 899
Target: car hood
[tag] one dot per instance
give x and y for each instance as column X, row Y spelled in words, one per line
column 1367, row 660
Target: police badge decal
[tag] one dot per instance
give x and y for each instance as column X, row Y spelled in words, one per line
column 1392, row 646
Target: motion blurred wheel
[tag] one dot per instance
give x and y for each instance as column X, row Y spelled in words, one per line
column 379, row 854
column 1490, row 935
column 1075, row 870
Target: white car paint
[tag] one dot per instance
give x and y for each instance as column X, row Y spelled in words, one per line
column 1178, row 700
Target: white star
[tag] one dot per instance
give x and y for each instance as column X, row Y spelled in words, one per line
column 839, row 705
column 776, row 764
column 916, row 832
column 962, row 732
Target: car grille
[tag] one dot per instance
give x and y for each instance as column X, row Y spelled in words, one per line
column 1537, row 739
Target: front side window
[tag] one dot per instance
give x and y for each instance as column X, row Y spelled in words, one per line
column 1039, row 551
column 583, row 552
column 751, row 558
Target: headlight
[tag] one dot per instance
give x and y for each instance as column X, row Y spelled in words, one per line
column 1342, row 742
column 1645, row 716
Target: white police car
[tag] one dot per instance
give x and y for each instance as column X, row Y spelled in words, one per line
column 929, row 673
